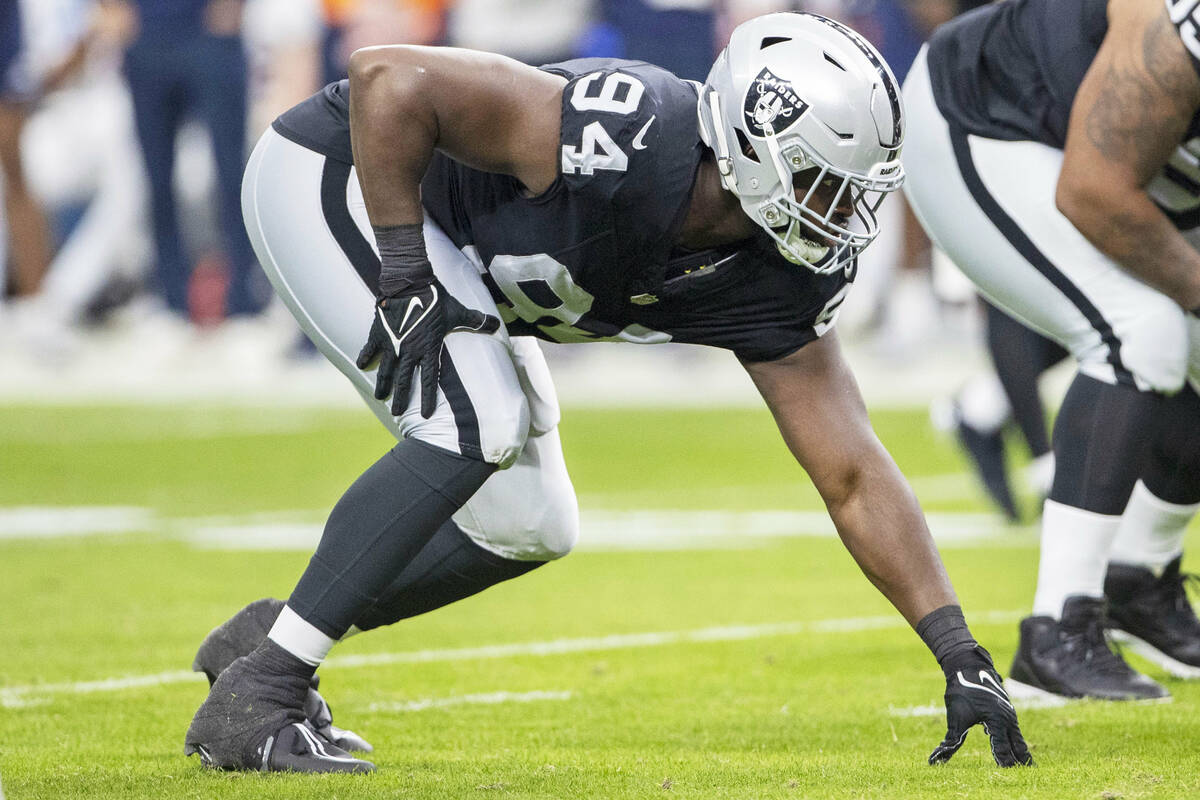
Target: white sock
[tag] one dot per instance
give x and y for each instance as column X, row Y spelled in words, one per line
column 1040, row 473
column 1151, row 532
column 983, row 404
column 300, row 638
column 1074, row 558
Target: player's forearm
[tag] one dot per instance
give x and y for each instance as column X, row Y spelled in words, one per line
column 392, row 134
column 1131, row 230
column 880, row 522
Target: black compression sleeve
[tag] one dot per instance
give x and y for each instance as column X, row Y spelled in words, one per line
column 944, row 631
column 403, row 262
column 378, row 527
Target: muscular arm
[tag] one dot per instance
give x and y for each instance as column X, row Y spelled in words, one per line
column 821, row 415
column 1132, row 110
column 484, row 110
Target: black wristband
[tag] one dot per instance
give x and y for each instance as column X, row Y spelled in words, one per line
column 945, row 632
column 403, row 263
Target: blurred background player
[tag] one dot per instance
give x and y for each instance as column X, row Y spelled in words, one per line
column 78, row 154
column 28, row 234
column 1056, row 165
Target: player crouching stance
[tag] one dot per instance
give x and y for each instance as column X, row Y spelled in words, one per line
column 579, row 201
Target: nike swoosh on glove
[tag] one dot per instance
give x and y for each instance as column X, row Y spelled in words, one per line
column 974, row 694
column 407, row 334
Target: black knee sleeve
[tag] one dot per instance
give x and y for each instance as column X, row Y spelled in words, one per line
column 450, row 567
column 1101, row 440
column 1173, row 467
column 378, row 527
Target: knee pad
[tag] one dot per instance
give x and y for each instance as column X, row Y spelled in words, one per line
column 527, row 512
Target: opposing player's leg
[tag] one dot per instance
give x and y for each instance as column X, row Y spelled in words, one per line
column 1021, row 356
column 305, row 217
column 991, row 208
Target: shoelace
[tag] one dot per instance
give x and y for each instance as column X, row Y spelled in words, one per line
column 1175, row 588
column 1096, row 653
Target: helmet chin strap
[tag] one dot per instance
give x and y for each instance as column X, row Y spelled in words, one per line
column 721, row 145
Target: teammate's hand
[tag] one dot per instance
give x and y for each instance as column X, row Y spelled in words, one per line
column 974, row 694
column 407, row 333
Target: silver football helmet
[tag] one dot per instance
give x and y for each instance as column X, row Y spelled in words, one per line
column 801, row 93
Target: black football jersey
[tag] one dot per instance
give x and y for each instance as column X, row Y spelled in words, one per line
column 1011, row 71
column 592, row 258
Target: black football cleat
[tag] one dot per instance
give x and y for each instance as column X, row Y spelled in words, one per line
column 254, row 720
column 236, row 637
column 1071, row 658
column 243, row 632
column 1152, row 616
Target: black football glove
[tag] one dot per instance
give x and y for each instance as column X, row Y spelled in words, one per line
column 974, row 694
column 407, row 333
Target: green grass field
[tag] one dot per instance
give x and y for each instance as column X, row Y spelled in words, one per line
column 719, row 665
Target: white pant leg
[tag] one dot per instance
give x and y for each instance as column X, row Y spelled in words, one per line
column 526, row 511
column 481, row 410
column 1006, row 234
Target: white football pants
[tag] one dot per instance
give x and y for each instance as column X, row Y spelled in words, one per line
column 989, row 205
column 496, row 402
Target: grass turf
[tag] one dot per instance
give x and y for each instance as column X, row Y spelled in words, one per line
column 804, row 711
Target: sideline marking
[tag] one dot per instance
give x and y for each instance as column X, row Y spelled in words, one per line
column 34, row 694
column 489, row 698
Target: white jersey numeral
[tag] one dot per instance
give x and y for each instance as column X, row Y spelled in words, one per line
column 618, row 94
column 597, row 151
column 606, row 99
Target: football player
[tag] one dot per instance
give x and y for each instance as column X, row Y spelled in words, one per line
column 1055, row 156
column 449, row 206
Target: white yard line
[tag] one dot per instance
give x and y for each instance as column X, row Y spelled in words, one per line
column 1023, row 704
column 22, row 696
column 642, row 530
column 42, row 522
column 489, row 698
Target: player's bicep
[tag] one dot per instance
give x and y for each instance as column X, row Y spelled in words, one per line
column 484, row 110
column 820, row 412
column 1133, row 105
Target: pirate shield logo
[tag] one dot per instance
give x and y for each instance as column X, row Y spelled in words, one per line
column 771, row 103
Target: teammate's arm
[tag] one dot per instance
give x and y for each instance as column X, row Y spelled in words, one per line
column 483, row 110
column 821, row 415
column 1131, row 112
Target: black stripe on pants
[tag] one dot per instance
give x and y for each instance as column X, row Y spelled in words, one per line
column 334, row 178
column 1011, row 231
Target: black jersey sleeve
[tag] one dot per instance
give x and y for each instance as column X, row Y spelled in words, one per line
column 321, row 123
column 630, row 142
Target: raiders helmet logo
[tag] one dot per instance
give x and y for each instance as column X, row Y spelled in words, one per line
column 771, row 101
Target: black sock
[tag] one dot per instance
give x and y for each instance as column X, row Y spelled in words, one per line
column 1173, row 468
column 450, row 567
column 1101, row 440
column 1020, row 356
column 378, row 527
column 274, row 660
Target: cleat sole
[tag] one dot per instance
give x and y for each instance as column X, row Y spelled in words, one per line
column 1153, row 654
